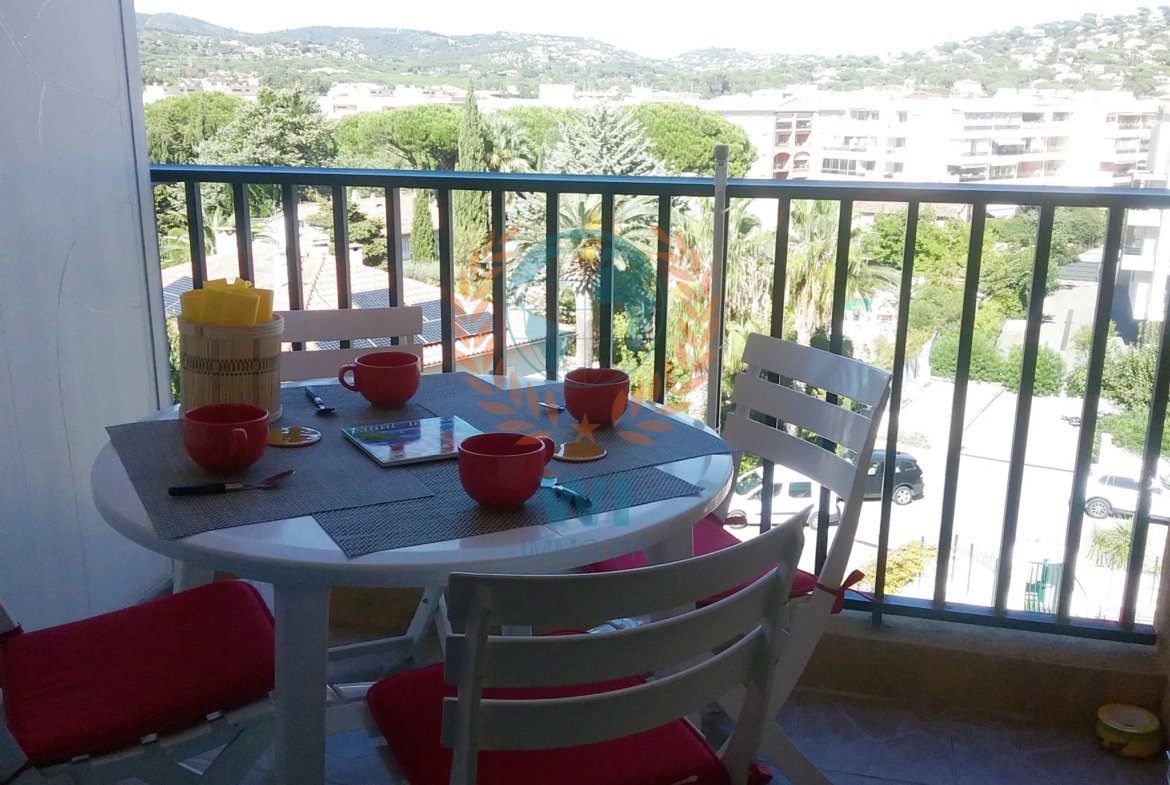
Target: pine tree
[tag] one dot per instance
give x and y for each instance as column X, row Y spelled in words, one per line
column 606, row 140
column 470, row 208
column 422, row 230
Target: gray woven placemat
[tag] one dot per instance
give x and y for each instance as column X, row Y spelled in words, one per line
column 451, row 514
column 331, row 474
column 641, row 438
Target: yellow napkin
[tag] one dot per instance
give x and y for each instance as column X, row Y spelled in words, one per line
column 223, row 304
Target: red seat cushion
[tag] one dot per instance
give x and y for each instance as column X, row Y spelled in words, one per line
column 103, row 683
column 707, row 536
column 409, row 709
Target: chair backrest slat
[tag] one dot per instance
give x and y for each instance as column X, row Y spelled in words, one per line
column 842, row 375
column 811, row 460
column 836, row 423
column 589, row 719
column 347, row 324
column 343, row 325
column 577, row 600
column 558, row 660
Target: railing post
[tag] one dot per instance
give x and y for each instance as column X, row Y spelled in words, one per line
column 894, row 410
column 552, row 280
column 446, row 278
column 395, row 292
column 779, row 281
column 243, row 231
column 1015, row 486
column 499, row 287
column 195, row 234
column 718, row 288
column 661, row 299
column 292, row 252
column 341, row 249
column 959, row 401
column 605, row 285
column 1093, row 375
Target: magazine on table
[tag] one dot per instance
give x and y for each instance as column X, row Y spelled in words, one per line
column 411, row 441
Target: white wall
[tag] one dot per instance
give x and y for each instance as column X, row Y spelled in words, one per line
column 80, row 338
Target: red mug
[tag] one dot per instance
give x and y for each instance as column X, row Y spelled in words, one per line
column 385, row 379
column 501, row 471
column 225, row 438
column 600, row 394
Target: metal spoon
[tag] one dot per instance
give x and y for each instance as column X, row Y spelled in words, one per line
column 206, row 488
column 578, row 498
column 320, row 404
column 556, row 406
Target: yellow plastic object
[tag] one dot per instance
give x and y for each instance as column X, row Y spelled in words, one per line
column 1128, row 731
column 222, row 283
column 225, row 308
column 191, row 305
column 264, row 312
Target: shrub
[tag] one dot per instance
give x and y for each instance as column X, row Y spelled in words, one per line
column 1049, row 371
column 986, row 361
column 904, row 565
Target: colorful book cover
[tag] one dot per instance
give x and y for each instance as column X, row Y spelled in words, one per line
column 411, row 441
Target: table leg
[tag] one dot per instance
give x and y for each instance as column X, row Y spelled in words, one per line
column 302, row 639
column 188, row 576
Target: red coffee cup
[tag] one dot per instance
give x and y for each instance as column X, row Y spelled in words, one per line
column 501, row 471
column 600, row 394
column 225, row 438
column 385, row 379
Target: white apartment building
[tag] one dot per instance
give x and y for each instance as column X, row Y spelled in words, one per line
column 1145, row 251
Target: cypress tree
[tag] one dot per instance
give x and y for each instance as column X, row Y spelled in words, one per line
column 470, row 208
column 422, row 230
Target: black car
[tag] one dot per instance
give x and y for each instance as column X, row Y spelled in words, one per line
column 908, row 483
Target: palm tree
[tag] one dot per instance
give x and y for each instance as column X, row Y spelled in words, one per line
column 507, row 146
column 812, row 263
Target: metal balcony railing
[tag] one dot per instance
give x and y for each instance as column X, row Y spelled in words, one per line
column 782, row 193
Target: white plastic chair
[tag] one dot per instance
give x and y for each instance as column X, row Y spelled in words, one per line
column 343, row 324
column 103, row 700
column 855, row 431
column 529, row 733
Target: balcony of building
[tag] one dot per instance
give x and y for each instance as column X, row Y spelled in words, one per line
column 991, row 626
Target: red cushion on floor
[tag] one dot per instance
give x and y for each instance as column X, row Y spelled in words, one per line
column 103, row 683
column 707, row 536
column 409, row 709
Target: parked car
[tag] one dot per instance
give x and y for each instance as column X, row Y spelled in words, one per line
column 1115, row 492
column 791, row 493
column 908, row 482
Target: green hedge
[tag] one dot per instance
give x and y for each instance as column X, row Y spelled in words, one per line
column 986, row 361
column 1049, row 371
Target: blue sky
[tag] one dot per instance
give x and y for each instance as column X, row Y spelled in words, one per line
column 658, row 28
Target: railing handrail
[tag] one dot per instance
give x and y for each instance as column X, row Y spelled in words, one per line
column 739, row 188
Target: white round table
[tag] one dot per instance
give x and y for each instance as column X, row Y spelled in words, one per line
column 302, row 563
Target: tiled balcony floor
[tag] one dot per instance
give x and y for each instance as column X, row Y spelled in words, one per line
column 861, row 742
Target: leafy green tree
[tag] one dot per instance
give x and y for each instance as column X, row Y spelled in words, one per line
column 986, row 361
column 604, row 140
column 175, row 127
column 812, row 266
column 507, row 147
column 364, row 230
column 685, row 136
column 422, row 230
column 470, row 208
column 424, row 136
column 282, row 128
column 541, row 123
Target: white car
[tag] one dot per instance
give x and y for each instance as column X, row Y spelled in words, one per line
column 1110, row 492
column 791, row 493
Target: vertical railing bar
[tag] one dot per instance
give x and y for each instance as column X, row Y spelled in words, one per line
column 552, row 281
column 499, row 286
column 395, row 291
column 959, row 401
column 195, row 234
column 1093, row 374
column 905, row 294
column 779, row 281
column 446, row 278
column 661, row 298
column 292, row 251
column 836, row 346
column 605, row 330
column 1015, row 484
column 341, row 249
column 243, row 231
column 1149, row 475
